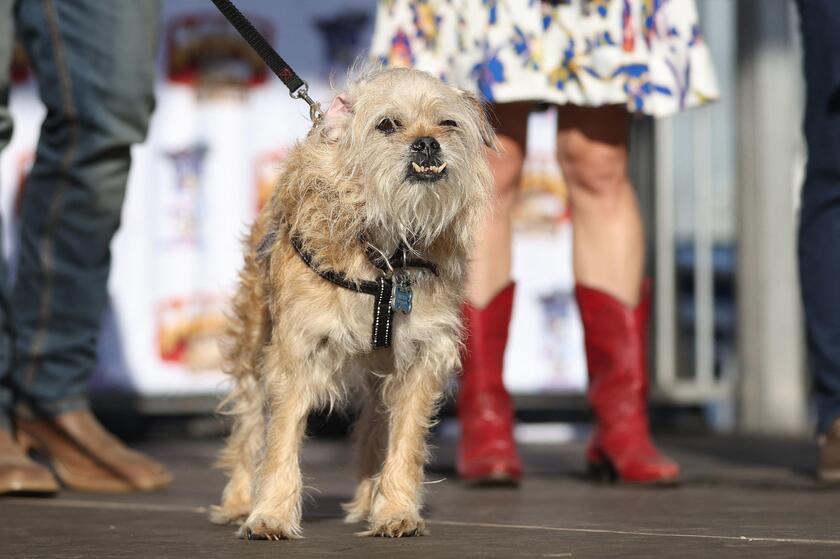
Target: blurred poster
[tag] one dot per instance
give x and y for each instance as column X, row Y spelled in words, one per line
column 545, row 348
column 221, row 130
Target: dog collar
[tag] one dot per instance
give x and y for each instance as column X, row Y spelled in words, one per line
column 391, row 291
column 400, row 259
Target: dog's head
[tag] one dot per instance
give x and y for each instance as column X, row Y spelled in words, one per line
column 413, row 149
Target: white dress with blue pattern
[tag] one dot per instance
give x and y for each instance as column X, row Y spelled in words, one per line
column 646, row 54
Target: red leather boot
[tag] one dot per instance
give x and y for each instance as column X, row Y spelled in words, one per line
column 616, row 355
column 486, row 451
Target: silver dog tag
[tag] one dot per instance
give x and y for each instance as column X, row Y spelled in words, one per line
column 401, row 295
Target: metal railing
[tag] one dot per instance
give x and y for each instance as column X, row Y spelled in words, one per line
column 722, row 214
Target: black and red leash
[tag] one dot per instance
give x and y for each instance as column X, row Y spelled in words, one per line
column 298, row 88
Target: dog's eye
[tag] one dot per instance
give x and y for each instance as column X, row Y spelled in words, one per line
column 388, row 126
column 450, row 123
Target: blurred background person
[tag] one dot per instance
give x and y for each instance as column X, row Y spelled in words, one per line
column 94, row 64
column 819, row 226
column 600, row 61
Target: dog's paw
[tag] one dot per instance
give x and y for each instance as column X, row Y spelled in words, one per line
column 397, row 526
column 226, row 516
column 265, row 527
column 354, row 512
column 358, row 510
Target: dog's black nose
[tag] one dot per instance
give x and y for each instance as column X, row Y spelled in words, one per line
column 426, row 145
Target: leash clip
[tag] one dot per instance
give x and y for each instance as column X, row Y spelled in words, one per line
column 302, row 92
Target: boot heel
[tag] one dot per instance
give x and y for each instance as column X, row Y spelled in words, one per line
column 602, row 472
column 600, row 469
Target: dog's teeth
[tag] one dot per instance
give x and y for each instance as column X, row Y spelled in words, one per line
column 428, row 169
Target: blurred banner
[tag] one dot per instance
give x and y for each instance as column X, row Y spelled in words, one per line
column 221, row 130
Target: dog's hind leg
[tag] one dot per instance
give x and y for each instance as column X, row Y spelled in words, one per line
column 411, row 399
column 245, row 336
column 241, row 453
column 278, row 484
column 239, row 459
column 371, row 438
column 236, row 499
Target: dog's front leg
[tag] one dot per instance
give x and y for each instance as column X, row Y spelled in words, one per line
column 410, row 399
column 278, row 484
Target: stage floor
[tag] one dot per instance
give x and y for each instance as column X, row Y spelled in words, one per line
column 741, row 497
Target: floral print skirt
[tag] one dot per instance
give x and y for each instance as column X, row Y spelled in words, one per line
column 646, row 54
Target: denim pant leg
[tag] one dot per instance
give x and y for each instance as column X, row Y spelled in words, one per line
column 94, row 62
column 7, row 34
column 819, row 229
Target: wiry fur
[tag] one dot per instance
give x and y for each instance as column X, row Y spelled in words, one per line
column 298, row 342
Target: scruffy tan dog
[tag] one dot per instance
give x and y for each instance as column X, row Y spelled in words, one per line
column 372, row 219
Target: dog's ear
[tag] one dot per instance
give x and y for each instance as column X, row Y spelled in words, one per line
column 485, row 129
column 336, row 117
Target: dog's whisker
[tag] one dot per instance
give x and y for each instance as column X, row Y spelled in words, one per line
column 311, row 488
column 441, row 480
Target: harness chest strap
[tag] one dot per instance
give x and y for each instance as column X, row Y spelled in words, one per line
column 381, row 290
column 383, row 314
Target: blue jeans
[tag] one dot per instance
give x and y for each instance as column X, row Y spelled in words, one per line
column 819, row 228
column 94, row 63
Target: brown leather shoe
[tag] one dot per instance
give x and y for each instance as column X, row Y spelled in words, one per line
column 19, row 474
column 86, row 457
column 829, row 467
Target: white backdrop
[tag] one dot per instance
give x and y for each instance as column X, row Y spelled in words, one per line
column 217, row 139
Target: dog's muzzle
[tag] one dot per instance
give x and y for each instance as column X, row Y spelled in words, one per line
column 426, row 164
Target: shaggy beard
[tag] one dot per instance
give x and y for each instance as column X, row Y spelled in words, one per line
column 416, row 213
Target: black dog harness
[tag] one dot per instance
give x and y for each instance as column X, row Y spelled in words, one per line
column 391, row 291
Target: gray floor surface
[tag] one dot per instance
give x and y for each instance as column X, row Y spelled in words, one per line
column 741, row 497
